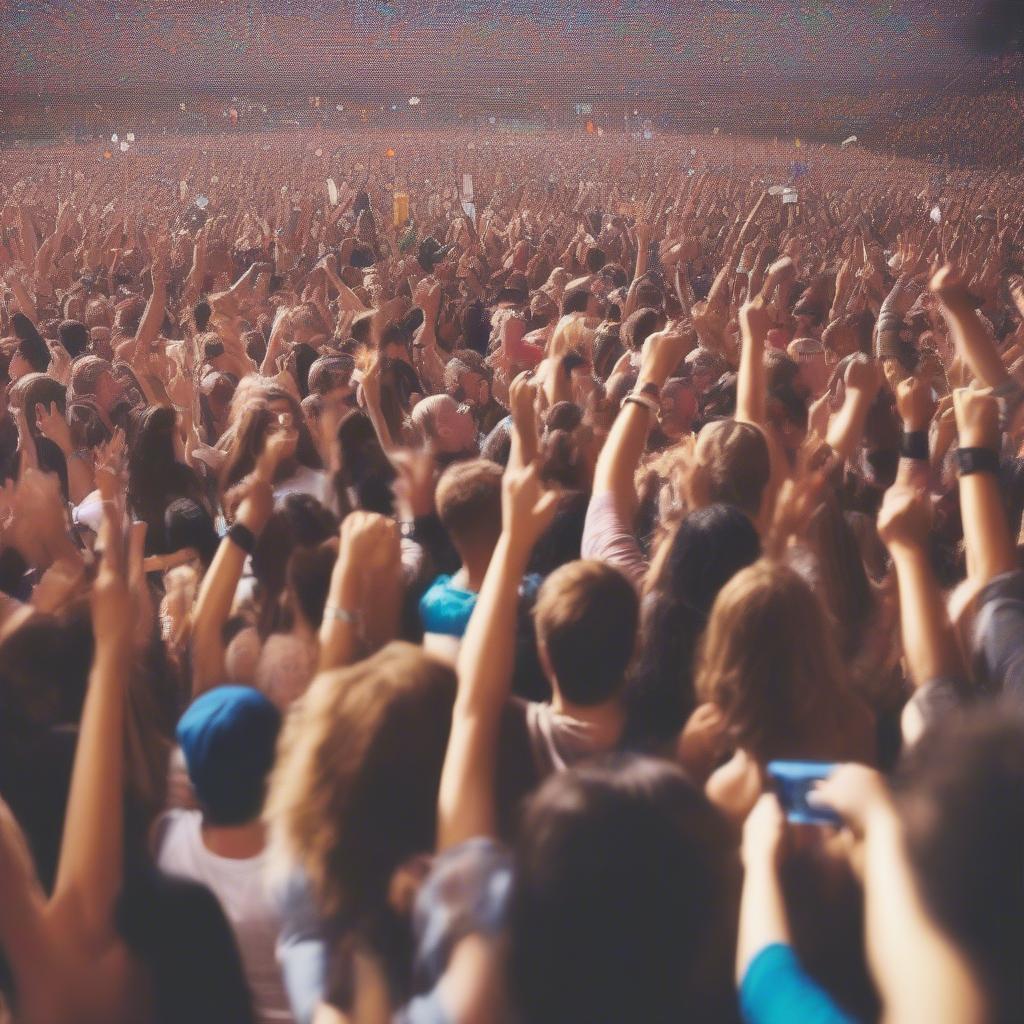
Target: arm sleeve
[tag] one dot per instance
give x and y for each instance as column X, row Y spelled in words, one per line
column 777, row 990
column 999, row 634
column 607, row 539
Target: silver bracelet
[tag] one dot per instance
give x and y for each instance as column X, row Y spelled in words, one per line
column 338, row 614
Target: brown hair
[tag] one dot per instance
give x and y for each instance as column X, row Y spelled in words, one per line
column 737, row 464
column 469, row 502
column 586, row 617
column 769, row 661
column 354, row 791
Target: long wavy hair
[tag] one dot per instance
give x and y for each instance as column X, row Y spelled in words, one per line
column 709, row 547
column 770, row 663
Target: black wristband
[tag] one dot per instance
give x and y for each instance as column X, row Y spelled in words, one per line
column 241, row 535
column 977, row 460
column 914, row 445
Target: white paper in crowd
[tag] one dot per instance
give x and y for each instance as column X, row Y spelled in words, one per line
column 319, row 153
column 332, row 192
column 849, row 142
column 936, row 215
column 790, row 196
column 776, row 190
column 114, row 137
column 414, row 101
column 130, row 136
column 467, row 186
column 339, row 108
column 202, row 202
column 215, row 179
column 123, row 147
column 469, row 209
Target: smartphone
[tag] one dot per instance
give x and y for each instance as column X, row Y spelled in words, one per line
column 792, row 781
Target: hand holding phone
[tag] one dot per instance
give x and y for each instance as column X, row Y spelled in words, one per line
column 792, row 781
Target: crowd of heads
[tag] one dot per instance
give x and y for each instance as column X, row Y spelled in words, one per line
column 403, row 615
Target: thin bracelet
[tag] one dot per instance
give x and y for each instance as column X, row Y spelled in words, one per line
column 645, row 400
column 338, row 614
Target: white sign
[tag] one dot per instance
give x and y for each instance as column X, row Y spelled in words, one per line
column 467, row 186
column 332, row 192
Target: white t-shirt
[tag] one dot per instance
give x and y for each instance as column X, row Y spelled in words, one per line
column 239, row 886
column 304, row 480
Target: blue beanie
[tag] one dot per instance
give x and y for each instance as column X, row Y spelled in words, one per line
column 228, row 736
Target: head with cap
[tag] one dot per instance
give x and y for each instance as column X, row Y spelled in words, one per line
column 228, row 736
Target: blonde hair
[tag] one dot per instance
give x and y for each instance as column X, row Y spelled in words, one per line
column 353, row 793
column 769, row 661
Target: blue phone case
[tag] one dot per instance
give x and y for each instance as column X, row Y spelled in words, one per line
column 792, row 781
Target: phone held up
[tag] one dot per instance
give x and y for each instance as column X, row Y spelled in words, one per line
column 793, row 781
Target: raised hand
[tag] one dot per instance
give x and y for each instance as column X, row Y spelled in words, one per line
column 369, row 541
column 977, row 418
column 52, row 425
column 526, row 508
column 905, row 518
column 914, row 404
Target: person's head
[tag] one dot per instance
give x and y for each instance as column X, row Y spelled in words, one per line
column 678, row 407
column 467, row 378
column 623, row 899
column 448, row 427
column 706, row 367
column 639, row 326
column 92, row 377
column 36, row 389
column 74, row 336
column 958, row 794
column 586, row 620
column 707, row 549
column 31, row 355
column 309, row 579
column 188, row 525
column 468, row 499
column 596, row 260
column 580, row 300
column 354, row 792
column 330, row 376
column 201, row 314
column 770, row 664
column 153, row 446
column 228, row 736
column 734, row 465
column 44, row 667
column 258, row 423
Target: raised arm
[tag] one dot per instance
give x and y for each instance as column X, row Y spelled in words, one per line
column 929, row 642
column 976, row 348
column 751, row 397
column 466, row 801
column 846, row 430
column 920, row 974
column 213, row 605
column 90, row 868
column 368, row 543
column 990, row 548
